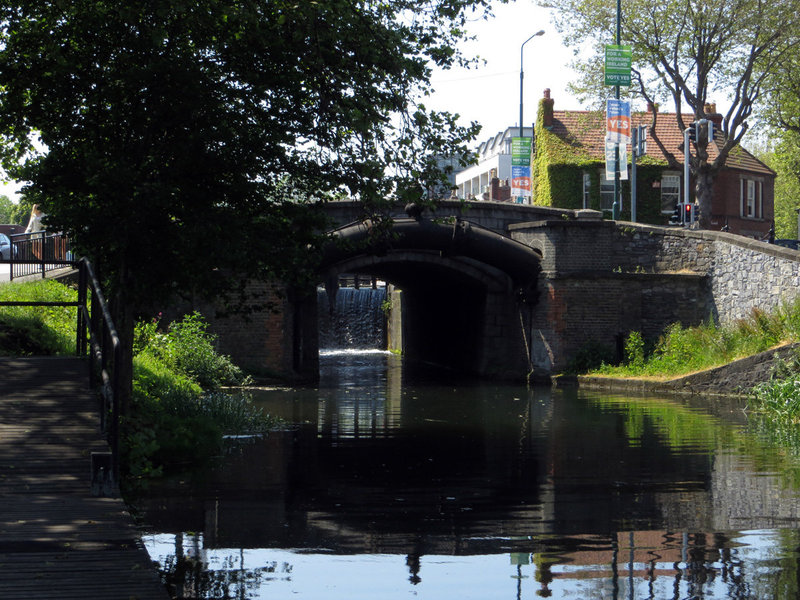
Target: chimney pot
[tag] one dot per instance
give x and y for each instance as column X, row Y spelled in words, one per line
column 547, row 109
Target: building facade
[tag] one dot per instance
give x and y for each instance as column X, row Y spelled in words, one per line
column 568, row 171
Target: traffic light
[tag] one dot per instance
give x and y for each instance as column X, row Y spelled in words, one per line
column 693, row 133
column 675, row 219
column 688, row 214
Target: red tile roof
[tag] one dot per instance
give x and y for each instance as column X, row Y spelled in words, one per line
column 587, row 130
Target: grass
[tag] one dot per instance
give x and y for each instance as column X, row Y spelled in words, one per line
column 179, row 415
column 681, row 350
column 37, row 331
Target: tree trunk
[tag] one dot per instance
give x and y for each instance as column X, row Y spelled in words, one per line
column 704, row 188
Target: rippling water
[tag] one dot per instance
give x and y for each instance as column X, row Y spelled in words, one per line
column 400, row 482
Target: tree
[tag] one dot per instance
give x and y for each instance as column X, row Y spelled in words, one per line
column 781, row 113
column 185, row 139
column 6, row 209
column 685, row 51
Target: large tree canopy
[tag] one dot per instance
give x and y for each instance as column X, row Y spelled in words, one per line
column 175, row 140
column 690, row 53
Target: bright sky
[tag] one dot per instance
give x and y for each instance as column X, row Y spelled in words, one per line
column 490, row 94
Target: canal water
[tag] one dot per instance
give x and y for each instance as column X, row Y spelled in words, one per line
column 397, row 481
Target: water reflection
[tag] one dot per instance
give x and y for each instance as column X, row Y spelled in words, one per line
column 396, row 481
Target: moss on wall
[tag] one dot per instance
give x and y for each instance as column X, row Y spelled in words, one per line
column 559, row 165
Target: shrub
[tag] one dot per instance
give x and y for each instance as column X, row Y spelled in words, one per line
column 188, row 348
column 174, row 422
column 634, row 350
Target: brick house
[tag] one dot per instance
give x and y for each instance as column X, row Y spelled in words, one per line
column 569, row 171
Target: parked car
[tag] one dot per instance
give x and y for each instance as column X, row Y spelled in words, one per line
column 5, row 247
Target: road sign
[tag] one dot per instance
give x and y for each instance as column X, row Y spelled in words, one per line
column 618, row 65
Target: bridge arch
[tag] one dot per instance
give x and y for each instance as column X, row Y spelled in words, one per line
column 464, row 288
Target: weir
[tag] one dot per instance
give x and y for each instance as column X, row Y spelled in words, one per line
column 355, row 321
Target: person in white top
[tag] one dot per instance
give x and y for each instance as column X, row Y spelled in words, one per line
column 35, row 224
column 36, row 227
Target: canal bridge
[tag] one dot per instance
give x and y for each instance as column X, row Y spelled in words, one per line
column 507, row 291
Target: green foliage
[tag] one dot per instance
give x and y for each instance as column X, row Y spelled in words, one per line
column 634, row 350
column 559, row 166
column 785, row 161
column 177, row 419
column 30, row 331
column 188, row 348
column 676, row 58
column 205, row 124
column 683, row 350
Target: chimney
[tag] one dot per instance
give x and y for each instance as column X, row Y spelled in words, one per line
column 652, row 107
column 547, row 109
column 711, row 113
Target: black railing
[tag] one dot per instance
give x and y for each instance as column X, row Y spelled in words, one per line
column 38, row 253
column 96, row 337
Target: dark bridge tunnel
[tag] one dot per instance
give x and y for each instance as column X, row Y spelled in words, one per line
column 460, row 287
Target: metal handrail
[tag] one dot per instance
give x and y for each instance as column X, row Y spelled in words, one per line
column 105, row 353
column 34, row 253
column 96, row 337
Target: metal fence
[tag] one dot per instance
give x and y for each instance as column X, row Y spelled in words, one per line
column 38, row 253
column 96, row 339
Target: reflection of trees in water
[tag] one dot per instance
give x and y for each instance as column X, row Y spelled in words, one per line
column 188, row 575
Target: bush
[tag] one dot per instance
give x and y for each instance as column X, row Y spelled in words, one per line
column 174, row 422
column 188, row 348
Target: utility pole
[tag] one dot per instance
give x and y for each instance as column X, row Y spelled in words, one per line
column 616, row 205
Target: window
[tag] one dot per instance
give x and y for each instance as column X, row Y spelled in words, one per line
column 670, row 193
column 607, row 194
column 587, row 188
column 752, row 202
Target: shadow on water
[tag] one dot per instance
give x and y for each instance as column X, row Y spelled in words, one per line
column 395, row 481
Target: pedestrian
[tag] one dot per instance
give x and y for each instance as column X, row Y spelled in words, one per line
column 36, row 230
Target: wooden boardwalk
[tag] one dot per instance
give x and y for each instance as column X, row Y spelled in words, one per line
column 56, row 540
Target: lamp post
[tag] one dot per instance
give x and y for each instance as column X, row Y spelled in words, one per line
column 521, row 76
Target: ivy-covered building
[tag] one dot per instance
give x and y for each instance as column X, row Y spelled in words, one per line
column 569, row 172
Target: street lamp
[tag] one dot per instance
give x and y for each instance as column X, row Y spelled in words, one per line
column 521, row 76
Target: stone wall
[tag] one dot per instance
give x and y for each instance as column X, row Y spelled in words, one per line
column 602, row 279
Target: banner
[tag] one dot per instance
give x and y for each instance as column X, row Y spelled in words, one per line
column 521, row 167
column 611, row 166
column 521, row 182
column 618, row 65
column 618, row 121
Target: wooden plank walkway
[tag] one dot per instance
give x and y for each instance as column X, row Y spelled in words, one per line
column 56, row 540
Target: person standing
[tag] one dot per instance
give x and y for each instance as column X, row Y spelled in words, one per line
column 36, row 230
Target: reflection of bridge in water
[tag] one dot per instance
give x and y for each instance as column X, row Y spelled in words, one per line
column 532, row 485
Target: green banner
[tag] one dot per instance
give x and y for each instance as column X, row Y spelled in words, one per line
column 618, row 65
column 521, row 152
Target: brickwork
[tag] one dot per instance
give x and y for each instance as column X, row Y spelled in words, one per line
column 599, row 281
column 263, row 341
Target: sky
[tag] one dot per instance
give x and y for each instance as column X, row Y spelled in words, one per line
column 489, row 94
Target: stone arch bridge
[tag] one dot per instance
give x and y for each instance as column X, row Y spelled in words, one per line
column 505, row 291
